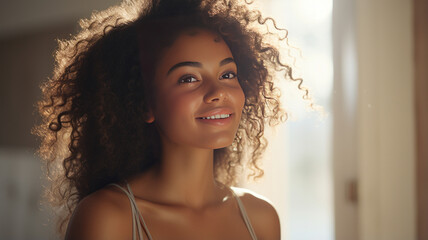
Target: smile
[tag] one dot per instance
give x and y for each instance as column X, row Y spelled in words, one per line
column 216, row 120
column 218, row 116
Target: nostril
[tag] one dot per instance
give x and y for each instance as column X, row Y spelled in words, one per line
column 216, row 93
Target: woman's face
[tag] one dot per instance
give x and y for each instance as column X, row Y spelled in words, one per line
column 198, row 99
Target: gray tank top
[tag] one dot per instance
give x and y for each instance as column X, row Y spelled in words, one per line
column 138, row 221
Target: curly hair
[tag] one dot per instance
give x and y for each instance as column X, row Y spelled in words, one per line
column 92, row 108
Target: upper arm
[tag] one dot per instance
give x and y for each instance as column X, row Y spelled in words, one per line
column 262, row 214
column 95, row 217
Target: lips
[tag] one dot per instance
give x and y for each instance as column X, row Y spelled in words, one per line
column 216, row 112
column 217, row 117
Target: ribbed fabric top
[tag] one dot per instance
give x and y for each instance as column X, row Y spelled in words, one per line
column 138, row 221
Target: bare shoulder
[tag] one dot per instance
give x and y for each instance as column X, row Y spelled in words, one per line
column 100, row 215
column 262, row 214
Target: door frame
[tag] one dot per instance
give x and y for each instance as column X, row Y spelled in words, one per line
column 421, row 100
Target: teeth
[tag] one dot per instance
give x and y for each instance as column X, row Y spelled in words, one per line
column 218, row 116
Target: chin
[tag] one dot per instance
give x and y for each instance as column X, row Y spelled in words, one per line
column 221, row 144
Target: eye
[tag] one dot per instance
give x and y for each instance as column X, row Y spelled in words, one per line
column 187, row 79
column 228, row 75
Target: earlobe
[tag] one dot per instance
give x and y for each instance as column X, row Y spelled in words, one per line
column 149, row 118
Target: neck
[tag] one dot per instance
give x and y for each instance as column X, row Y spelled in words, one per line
column 184, row 177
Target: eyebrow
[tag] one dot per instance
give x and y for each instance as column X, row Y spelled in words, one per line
column 198, row 64
column 226, row 61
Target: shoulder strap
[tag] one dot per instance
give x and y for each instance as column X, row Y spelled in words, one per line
column 136, row 215
column 244, row 215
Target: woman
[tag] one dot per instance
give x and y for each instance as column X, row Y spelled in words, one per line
column 157, row 102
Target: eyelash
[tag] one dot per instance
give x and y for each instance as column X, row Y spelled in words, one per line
column 233, row 73
column 186, row 77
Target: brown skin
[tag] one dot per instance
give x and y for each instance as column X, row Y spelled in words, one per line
column 180, row 198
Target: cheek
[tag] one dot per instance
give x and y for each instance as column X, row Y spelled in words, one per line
column 176, row 109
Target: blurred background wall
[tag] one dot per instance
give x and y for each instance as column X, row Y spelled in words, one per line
column 28, row 33
column 374, row 125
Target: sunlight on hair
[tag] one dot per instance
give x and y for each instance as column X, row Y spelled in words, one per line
column 298, row 176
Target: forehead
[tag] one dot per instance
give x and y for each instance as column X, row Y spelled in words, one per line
column 195, row 45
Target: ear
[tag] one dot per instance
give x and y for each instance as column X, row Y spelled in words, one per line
column 149, row 117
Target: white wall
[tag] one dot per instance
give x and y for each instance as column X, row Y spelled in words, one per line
column 345, row 103
column 386, row 138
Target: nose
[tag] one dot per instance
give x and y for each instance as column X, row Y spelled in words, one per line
column 215, row 93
